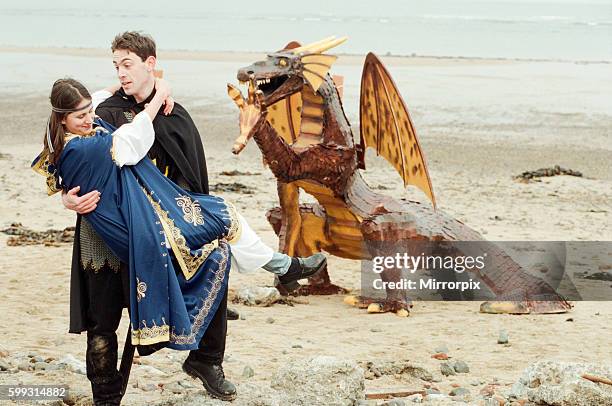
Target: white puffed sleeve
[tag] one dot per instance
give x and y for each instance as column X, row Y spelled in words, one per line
column 98, row 97
column 132, row 141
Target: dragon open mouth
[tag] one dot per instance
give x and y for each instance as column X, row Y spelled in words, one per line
column 269, row 85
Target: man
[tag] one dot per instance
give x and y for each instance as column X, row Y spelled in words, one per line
column 99, row 282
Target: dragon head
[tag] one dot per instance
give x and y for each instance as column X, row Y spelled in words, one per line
column 281, row 75
column 285, row 72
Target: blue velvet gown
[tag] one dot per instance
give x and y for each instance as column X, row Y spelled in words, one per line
column 152, row 224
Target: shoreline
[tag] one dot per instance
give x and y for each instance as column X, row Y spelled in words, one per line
column 344, row 58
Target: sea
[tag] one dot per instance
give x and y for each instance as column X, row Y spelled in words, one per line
column 563, row 30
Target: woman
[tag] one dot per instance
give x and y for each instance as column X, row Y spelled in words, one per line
column 178, row 244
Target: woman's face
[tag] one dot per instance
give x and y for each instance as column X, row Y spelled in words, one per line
column 80, row 122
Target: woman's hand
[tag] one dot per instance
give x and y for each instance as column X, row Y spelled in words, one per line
column 164, row 90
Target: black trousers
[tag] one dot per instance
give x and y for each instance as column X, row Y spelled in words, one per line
column 107, row 295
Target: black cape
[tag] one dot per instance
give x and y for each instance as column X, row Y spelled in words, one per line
column 177, row 152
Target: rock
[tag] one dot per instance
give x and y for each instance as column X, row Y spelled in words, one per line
column 4, row 365
column 441, row 349
column 174, row 387
column 40, row 366
column 70, row 363
column 461, row 367
column 394, row 402
column 186, row 384
column 432, row 391
column 270, row 320
column 435, row 396
column 3, row 352
column 492, row 402
column 459, row 392
column 74, row 397
column 24, row 366
column 503, row 337
column 248, row 372
column 296, row 346
column 36, row 359
column 149, row 370
column 321, row 380
column 440, row 356
column 561, row 383
column 399, row 367
column 145, row 385
column 446, row 369
column 257, row 296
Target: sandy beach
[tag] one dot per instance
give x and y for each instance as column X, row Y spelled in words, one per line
column 480, row 122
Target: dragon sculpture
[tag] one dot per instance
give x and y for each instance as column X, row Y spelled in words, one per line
column 294, row 112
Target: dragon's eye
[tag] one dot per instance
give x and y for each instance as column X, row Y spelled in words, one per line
column 282, row 62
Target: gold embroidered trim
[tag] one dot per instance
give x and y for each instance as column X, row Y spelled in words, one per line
column 206, row 305
column 192, row 212
column 141, row 288
column 235, row 229
column 150, row 335
column 188, row 262
column 42, row 168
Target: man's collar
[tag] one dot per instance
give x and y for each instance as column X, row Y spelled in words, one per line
column 132, row 99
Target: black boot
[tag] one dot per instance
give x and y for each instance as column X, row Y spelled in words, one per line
column 302, row 268
column 106, row 381
column 212, row 377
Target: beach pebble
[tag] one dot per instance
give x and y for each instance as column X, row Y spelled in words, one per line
column 257, row 296
column 446, row 369
column 70, row 363
column 174, row 387
column 270, row 320
column 459, row 392
column 40, row 366
column 24, row 366
column 503, row 337
column 441, row 349
column 461, row 367
column 186, row 384
column 320, row 380
column 145, row 385
column 248, row 372
column 394, row 402
column 149, row 370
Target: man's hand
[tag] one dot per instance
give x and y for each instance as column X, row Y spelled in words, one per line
column 81, row 204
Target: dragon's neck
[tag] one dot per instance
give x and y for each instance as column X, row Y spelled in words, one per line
column 312, row 119
column 309, row 118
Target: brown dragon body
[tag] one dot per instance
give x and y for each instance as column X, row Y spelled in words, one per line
column 294, row 113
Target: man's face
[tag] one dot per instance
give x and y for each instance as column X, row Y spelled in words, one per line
column 133, row 73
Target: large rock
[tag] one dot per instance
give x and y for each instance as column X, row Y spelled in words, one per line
column 257, row 296
column 562, row 384
column 320, row 380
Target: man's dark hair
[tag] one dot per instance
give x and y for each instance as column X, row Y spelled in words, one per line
column 133, row 41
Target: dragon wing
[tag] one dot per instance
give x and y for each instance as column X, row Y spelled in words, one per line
column 385, row 125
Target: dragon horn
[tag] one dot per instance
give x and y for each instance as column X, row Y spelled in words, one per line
column 306, row 48
column 328, row 45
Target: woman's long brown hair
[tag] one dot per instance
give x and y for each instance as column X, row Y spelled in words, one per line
column 66, row 94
